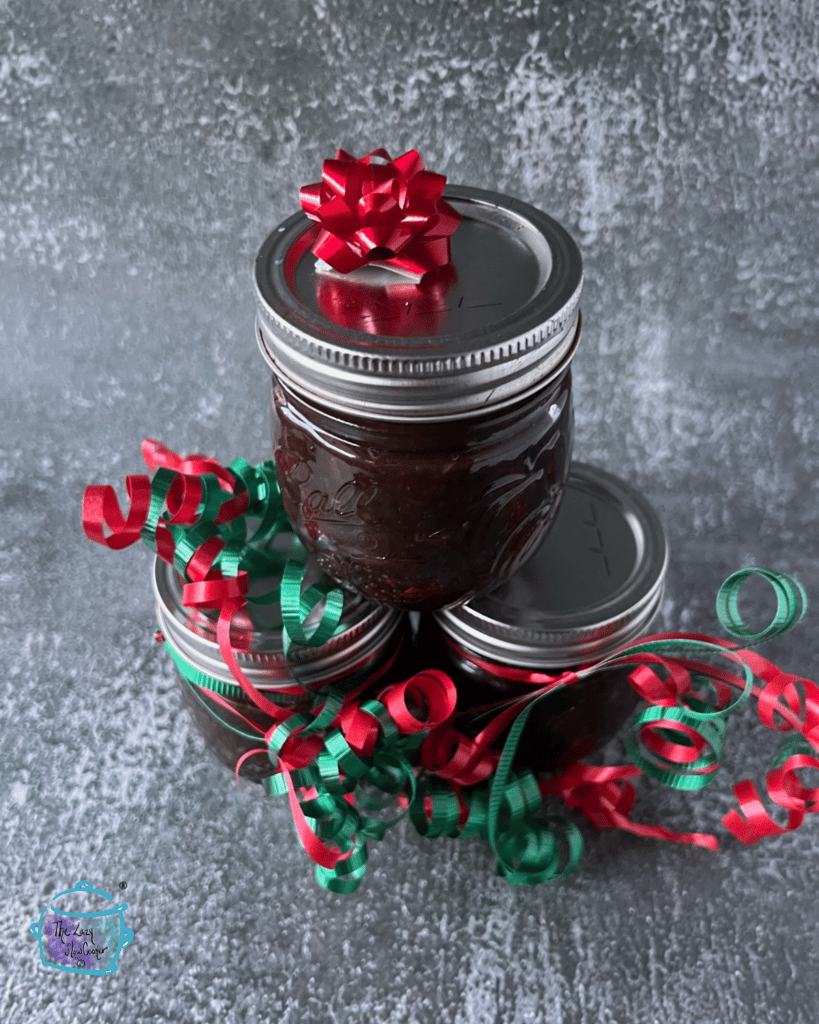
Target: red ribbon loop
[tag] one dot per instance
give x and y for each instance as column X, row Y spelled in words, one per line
column 450, row 755
column 182, row 500
column 781, row 694
column 652, row 737
column 605, row 798
column 314, row 847
column 752, row 822
column 360, row 729
column 653, row 689
column 156, row 454
column 422, row 702
column 201, row 562
column 100, row 509
column 297, row 751
column 786, row 788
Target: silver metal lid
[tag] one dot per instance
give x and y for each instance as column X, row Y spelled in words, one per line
column 488, row 328
column 362, row 632
column 594, row 584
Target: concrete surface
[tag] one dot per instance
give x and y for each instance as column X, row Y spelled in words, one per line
column 146, row 149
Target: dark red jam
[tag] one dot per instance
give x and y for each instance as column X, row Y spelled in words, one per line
column 229, row 745
column 422, row 515
column 566, row 725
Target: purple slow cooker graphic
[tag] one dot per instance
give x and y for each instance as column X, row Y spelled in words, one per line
column 83, row 936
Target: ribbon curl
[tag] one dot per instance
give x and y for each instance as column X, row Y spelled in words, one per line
column 677, row 740
column 198, row 516
column 380, row 210
column 352, row 767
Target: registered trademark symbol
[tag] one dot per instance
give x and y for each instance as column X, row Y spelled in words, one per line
column 123, row 885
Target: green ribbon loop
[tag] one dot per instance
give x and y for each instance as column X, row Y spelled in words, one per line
column 275, row 785
column 297, row 607
column 213, row 497
column 389, row 775
column 327, row 705
column 790, row 746
column 339, row 749
column 330, row 777
column 477, row 824
column 160, row 485
column 440, row 800
column 528, row 849
column 282, row 733
column 689, row 775
column 791, row 605
column 305, row 777
column 346, row 876
column 531, row 853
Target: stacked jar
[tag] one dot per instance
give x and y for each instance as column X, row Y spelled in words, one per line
column 367, row 650
column 422, row 434
column 594, row 585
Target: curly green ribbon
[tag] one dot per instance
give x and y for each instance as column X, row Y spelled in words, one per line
column 681, row 733
column 298, row 606
column 678, row 742
column 528, row 849
column 791, row 605
column 681, row 746
column 215, row 523
column 352, row 761
column 332, row 774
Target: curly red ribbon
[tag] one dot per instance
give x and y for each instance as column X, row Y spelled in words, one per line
column 380, row 210
column 464, row 786
column 785, row 703
column 183, row 500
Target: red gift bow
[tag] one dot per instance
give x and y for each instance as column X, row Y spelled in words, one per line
column 388, row 211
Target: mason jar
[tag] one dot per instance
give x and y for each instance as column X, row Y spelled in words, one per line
column 365, row 653
column 595, row 584
column 423, row 432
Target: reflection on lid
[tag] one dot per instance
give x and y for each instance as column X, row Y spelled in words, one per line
column 493, row 274
column 585, row 560
column 386, row 305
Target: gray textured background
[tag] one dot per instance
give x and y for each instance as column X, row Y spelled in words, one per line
column 146, row 149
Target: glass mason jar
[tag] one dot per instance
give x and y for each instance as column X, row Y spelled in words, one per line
column 595, row 584
column 423, row 432
column 370, row 644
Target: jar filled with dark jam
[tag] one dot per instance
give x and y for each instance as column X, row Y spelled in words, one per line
column 595, row 584
column 423, row 431
column 366, row 653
